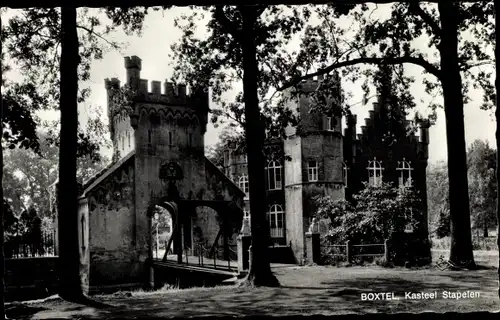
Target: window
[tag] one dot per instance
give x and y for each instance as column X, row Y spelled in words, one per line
column 246, row 214
column 274, row 175
column 170, row 139
column 190, row 137
column 312, row 171
column 330, row 125
column 404, row 173
column 244, row 185
column 128, row 136
column 344, row 174
column 276, row 223
column 149, row 136
column 374, row 172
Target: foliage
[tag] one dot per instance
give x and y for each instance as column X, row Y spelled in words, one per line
column 229, row 136
column 482, row 184
column 31, row 40
column 374, row 215
column 216, row 60
column 438, row 197
column 443, row 226
column 482, row 190
column 27, row 176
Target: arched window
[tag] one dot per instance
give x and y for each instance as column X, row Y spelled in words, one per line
column 244, row 185
column 274, row 175
column 276, row 222
column 344, row 174
column 404, row 173
column 128, row 136
column 374, row 172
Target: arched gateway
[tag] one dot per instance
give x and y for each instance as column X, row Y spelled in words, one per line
column 158, row 160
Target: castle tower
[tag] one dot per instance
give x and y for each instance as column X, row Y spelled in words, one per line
column 316, row 165
column 162, row 128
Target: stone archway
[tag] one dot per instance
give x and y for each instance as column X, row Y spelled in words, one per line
column 162, row 227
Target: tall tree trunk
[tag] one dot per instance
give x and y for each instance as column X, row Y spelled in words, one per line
column 2, row 255
column 497, row 134
column 461, row 237
column 260, row 270
column 69, row 260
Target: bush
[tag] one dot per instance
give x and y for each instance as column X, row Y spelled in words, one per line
column 374, row 215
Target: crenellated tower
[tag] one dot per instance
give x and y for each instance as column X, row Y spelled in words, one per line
column 161, row 128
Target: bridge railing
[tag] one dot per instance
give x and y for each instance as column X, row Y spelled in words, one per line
column 210, row 256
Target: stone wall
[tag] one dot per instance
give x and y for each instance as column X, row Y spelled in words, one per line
column 114, row 257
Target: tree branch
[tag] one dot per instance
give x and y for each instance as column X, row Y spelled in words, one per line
column 415, row 6
column 98, row 35
column 224, row 20
column 473, row 64
column 420, row 61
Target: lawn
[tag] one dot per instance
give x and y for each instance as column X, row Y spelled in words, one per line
column 304, row 291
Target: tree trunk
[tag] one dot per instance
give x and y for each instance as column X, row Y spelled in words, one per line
column 2, row 255
column 497, row 134
column 69, row 260
column 461, row 237
column 260, row 271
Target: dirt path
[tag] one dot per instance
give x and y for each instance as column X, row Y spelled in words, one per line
column 305, row 291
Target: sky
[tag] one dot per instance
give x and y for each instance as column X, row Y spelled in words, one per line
column 159, row 33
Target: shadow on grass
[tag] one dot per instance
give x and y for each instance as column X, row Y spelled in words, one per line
column 21, row 311
column 27, row 309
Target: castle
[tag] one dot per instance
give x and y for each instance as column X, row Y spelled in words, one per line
column 158, row 159
column 158, row 141
column 328, row 162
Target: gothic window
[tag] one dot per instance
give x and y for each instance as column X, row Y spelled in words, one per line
column 344, row 174
column 312, row 171
column 330, row 124
column 190, row 140
column 274, row 175
column 244, row 185
column 276, row 222
column 128, row 136
column 149, row 136
column 374, row 172
column 170, row 139
column 404, row 173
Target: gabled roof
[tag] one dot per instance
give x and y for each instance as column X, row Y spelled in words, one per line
column 209, row 165
column 104, row 173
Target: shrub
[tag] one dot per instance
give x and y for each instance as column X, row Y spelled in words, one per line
column 374, row 215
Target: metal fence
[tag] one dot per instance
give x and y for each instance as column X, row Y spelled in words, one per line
column 349, row 252
column 31, row 245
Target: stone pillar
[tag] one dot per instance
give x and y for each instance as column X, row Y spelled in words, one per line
column 244, row 241
column 312, row 247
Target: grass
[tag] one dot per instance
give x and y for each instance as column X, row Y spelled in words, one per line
column 305, row 290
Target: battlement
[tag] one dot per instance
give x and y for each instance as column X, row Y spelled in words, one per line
column 113, row 83
column 133, row 62
column 166, row 93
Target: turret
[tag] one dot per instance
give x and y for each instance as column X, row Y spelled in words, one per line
column 133, row 65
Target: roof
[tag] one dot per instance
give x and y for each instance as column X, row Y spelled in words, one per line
column 104, row 173
column 211, row 166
